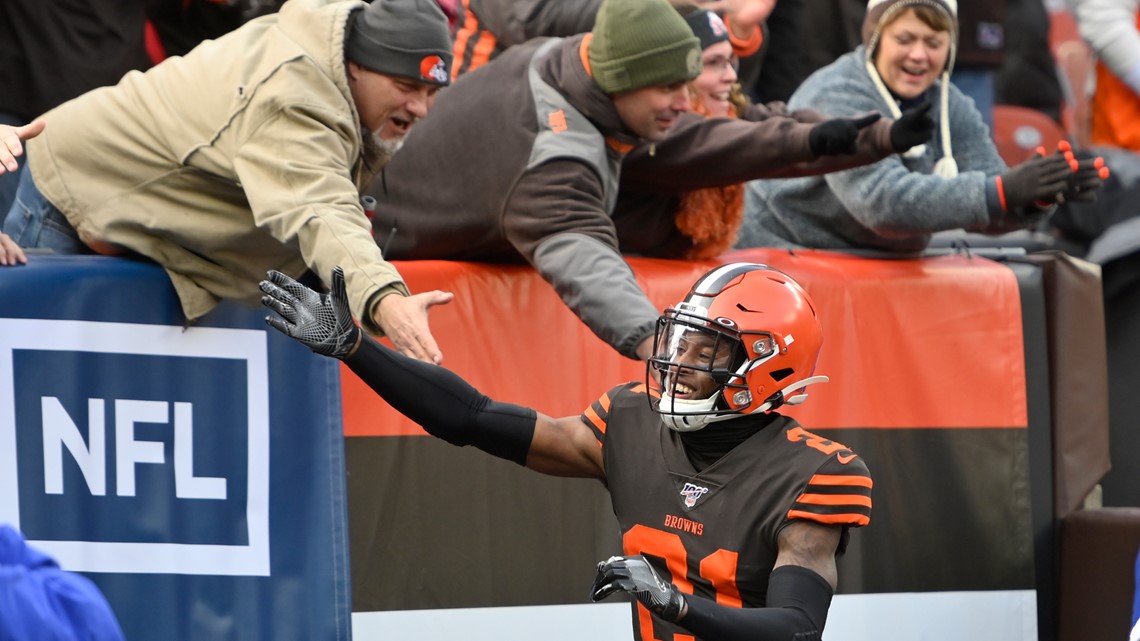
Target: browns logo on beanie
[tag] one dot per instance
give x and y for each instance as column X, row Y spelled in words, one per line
column 641, row 43
column 708, row 27
column 408, row 38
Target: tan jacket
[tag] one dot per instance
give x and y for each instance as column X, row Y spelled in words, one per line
column 245, row 155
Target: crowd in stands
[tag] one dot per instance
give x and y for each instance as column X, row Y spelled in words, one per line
column 987, row 61
column 600, row 151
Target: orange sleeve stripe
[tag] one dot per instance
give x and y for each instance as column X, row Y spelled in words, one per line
column 461, row 38
column 594, row 419
column 584, row 53
column 470, row 26
column 840, row 479
column 605, row 402
column 835, row 499
column 483, row 50
column 831, row 519
column 746, row 47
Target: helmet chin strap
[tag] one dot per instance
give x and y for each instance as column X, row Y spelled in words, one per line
column 682, row 422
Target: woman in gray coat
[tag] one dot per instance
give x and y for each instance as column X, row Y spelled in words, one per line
column 956, row 180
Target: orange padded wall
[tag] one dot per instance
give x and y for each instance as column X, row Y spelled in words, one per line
column 923, row 343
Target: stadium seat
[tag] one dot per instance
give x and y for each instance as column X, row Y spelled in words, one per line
column 1019, row 131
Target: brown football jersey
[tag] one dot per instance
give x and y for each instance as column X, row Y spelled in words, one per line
column 713, row 533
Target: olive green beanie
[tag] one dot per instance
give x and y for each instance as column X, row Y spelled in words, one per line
column 642, row 43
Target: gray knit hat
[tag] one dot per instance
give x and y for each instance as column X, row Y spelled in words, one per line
column 641, row 43
column 408, row 38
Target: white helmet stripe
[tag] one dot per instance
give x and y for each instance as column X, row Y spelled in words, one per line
column 714, row 282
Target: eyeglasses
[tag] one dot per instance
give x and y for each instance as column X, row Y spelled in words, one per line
column 720, row 63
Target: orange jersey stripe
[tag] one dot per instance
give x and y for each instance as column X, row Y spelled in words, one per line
column 831, row 519
column 835, row 499
column 837, row 479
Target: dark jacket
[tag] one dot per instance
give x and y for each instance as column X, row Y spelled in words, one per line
column 51, row 51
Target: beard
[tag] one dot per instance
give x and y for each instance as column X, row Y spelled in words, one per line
column 387, row 148
column 384, row 149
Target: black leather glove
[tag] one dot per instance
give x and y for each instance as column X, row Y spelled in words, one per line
column 634, row 575
column 1040, row 179
column 838, row 135
column 914, row 127
column 321, row 322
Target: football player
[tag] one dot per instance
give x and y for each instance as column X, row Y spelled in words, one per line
column 731, row 514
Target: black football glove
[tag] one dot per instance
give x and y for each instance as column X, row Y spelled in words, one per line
column 914, row 127
column 321, row 322
column 634, row 575
column 838, row 136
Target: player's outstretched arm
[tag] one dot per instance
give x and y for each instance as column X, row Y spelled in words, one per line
column 441, row 402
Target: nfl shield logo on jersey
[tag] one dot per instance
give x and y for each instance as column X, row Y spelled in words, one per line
column 692, row 492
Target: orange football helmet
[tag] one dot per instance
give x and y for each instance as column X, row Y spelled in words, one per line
column 751, row 329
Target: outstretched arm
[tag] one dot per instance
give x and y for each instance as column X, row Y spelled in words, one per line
column 780, row 145
column 557, row 219
column 444, row 404
column 799, row 591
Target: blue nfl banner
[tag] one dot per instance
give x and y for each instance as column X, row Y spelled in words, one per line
column 195, row 474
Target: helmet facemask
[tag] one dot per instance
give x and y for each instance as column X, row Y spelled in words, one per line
column 744, row 341
column 699, row 365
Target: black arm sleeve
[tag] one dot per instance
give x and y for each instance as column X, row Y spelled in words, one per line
column 444, row 404
column 798, row 600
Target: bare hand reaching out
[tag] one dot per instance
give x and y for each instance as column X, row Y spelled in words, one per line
column 404, row 320
column 12, row 145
